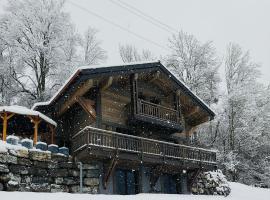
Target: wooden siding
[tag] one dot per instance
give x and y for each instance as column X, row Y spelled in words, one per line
column 114, row 103
column 152, row 90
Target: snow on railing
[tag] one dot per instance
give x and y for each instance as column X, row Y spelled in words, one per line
column 129, row 143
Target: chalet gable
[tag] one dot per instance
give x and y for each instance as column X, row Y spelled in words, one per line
column 88, row 78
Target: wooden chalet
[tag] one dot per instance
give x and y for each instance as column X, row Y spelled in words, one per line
column 135, row 121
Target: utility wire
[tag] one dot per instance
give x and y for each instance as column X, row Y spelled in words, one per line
column 148, row 16
column 116, row 25
column 119, row 4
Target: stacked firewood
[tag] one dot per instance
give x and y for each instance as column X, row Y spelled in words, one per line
column 211, row 183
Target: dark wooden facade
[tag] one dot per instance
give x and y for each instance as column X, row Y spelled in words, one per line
column 136, row 114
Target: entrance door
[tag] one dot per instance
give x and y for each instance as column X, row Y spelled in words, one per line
column 126, row 182
column 169, row 184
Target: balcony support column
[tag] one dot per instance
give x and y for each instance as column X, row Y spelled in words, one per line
column 134, row 93
column 98, row 109
column 178, row 105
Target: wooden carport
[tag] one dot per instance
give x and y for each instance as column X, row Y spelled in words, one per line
column 35, row 117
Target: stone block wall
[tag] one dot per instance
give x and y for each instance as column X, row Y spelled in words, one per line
column 42, row 171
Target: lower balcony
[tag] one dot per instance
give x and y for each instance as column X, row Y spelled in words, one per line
column 102, row 144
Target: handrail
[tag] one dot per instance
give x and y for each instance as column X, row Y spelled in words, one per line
column 109, row 139
column 158, row 105
column 137, row 137
column 157, row 111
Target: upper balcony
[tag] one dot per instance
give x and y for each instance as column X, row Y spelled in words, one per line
column 156, row 114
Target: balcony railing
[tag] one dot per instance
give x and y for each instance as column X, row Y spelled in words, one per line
column 157, row 111
column 91, row 136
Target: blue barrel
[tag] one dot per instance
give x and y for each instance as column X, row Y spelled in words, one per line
column 27, row 143
column 64, row 150
column 53, row 148
column 11, row 139
column 42, row 146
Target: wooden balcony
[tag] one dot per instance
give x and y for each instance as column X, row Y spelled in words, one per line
column 107, row 144
column 156, row 114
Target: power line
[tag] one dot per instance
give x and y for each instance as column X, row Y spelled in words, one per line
column 117, row 25
column 141, row 16
column 148, row 16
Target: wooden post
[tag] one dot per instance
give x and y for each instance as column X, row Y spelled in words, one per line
column 134, row 93
column 98, row 109
column 5, row 118
column 52, row 129
column 36, row 122
column 178, row 105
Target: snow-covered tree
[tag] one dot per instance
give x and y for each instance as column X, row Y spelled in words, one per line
column 45, row 47
column 196, row 64
column 129, row 53
column 92, row 51
column 37, row 31
column 242, row 131
column 7, row 85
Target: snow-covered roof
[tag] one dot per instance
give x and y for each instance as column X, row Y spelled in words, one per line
column 93, row 67
column 20, row 110
column 73, row 75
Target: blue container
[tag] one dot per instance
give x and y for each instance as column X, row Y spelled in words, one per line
column 42, row 146
column 12, row 140
column 53, row 148
column 27, row 143
column 64, row 150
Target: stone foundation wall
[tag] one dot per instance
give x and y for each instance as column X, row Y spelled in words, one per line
column 42, row 171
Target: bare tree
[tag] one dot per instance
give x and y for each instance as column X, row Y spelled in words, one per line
column 129, row 54
column 92, row 51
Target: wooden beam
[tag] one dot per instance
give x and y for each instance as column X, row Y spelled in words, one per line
column 109, row 171
column 199, row 120
column 52, row 129
column 36, row 120
column 154, row 76
column 155, row 174
column 163, row 86
column 106, row 83
column 5, row 118
column 134, row 92
column 73, row 98
column 87, row 105
column 191, row 130
column 192, row 111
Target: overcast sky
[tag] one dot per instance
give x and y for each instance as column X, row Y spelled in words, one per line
column 222, row 21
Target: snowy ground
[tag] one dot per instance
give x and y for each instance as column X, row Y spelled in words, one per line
column 239, row 192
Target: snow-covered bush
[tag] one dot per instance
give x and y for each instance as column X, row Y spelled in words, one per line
column 211, row 183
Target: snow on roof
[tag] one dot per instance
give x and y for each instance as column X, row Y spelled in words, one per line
column 114, row 65
column 45, row 103
column 20, row 110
